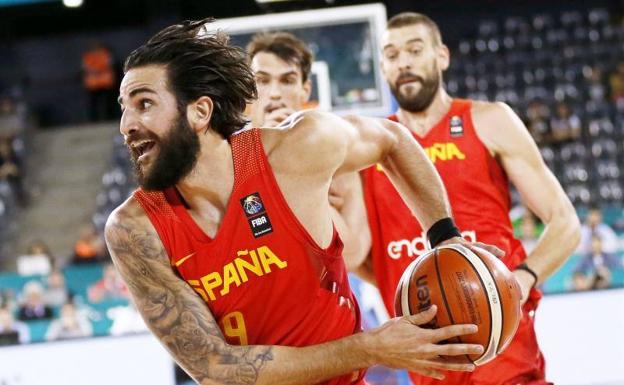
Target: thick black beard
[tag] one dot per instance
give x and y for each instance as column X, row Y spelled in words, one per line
column 423, row 99
column 178, row 153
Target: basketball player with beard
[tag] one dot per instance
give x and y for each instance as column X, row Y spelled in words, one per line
column 477, row 147
column 282, row 65
column 228, row 248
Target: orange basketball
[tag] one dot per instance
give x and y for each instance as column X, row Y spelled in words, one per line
column 468, row 287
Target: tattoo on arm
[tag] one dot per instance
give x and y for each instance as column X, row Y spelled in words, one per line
column 175, row 313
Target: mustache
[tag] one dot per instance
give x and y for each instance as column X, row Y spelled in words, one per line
column 408, row 77
column 133, row 137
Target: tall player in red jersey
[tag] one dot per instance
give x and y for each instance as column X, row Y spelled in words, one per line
column 477, row 147
column 228, row 248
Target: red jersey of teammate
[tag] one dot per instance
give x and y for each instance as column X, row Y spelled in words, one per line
column 477, row 188
column 263, row 277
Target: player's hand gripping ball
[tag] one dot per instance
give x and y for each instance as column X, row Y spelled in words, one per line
column 468, row 287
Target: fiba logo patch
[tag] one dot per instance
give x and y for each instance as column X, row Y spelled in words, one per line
column 456, row 125
column 256, row 214
column 252, row 204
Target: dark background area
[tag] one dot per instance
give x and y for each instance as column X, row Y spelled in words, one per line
column 41, row 44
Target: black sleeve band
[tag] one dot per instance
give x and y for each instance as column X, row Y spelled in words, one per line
column 441, row 231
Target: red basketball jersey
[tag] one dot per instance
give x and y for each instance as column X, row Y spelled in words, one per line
column 477, row 188
column 263, row 277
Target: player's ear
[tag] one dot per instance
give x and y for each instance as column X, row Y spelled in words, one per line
column 199, row 113
column 444, row 57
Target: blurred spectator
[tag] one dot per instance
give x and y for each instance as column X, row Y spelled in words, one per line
column 89, row 247
column 537, row 116
column 594, row 270
column 596, row 86
column 537, row 110
column 37, row 260
column 7, row 107
column 616, row 82
column 528, row 232
column 111, row 286
column 7, row 299
column 10, row 120
column 593, row 225
column 580, row 282
column 69, row 325
column 33, row 307
column 56, row 293
column 99, row 81
column 126, row 320
column 9, row 326
column 565, row 125
column 11, row 170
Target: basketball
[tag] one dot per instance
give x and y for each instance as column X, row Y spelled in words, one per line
column 468, row 287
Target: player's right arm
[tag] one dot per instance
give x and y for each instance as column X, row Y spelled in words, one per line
column 184, row 325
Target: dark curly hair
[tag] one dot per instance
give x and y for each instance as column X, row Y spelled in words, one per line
column 201, row 63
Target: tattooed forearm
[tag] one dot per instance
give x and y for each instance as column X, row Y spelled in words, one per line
column 174, row 312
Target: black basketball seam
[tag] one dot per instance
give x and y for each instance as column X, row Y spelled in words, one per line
column 409, row 284
column 448, row 310
column 488, row 300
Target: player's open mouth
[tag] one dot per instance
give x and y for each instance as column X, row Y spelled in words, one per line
column 142, row 148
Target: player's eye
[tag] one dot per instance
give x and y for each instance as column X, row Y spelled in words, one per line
column 391, row 55
column 289, row 80
column 145, row 104
column 262, row 80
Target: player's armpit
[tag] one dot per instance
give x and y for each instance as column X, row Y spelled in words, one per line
column 366, row 272
column 172, row 310
column 350, row 219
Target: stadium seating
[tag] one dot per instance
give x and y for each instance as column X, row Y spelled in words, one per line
column 547, row 57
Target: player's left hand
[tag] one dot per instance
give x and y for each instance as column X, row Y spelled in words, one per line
column 498, row 253
column 274, row 117
column 524, row 278
column 526, row 281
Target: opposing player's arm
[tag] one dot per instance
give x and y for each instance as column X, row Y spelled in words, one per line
column 506, row 136
column 182, row 322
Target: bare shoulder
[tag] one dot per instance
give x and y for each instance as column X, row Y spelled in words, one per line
column 306, row 138
column 491, row 112
column 129, row 232
column 298, row 128
column 496, row 124
column 128, row 215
